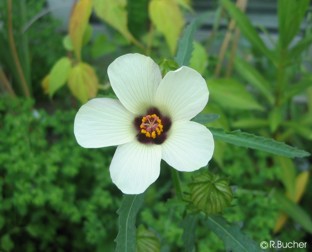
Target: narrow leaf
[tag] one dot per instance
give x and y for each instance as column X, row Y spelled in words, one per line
column 246, row 28
column 78, row 24
column 189, row 232
column 233, row 238
column 205, row 118
column 185, row 46
column 126, row 238
column 248, row 140
column 199, row 59
column 168, row 19
column 294, row 211
column 290, row 16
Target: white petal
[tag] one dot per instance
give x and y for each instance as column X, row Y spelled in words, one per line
column 134, row 79
column 103, row 122
column 189, row 146
column 182, row 93
column 135, row 166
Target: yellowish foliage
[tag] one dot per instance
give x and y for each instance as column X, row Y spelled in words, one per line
column 78, row 23
column 168, row 19
column 83, row 82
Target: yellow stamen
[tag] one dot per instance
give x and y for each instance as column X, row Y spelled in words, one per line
column 151, row 126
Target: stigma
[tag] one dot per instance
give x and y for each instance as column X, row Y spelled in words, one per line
column 151, row 126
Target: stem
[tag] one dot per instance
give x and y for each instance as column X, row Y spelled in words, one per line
column 14, row 52
column 6, row 84
column 176, row 182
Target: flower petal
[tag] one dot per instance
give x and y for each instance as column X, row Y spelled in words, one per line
column 103, row 122
column 182, row 94
column 134, row 79
column 189, row 146
column 135, row 166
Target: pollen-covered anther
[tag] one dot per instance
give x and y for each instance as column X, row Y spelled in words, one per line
column 151, row 126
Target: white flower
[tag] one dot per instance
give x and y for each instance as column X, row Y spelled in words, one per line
column 149, row 122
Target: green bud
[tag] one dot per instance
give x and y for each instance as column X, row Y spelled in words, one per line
column 210, row 193
column 146, row 240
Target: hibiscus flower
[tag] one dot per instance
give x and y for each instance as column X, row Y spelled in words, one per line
column 151, row 121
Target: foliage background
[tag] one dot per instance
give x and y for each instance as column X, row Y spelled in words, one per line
column 57, row 196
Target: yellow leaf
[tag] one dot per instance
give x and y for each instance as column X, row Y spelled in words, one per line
column 114, row 13
column 45, row 84
column 59, row 74
column 168, row 19
column 83, row 82
column 301, row 184
column 78, row 24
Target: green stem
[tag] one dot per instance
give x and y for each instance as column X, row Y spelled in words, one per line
column 176, row 182
column 14, row 52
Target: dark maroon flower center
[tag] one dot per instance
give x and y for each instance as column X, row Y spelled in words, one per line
column 152, row 127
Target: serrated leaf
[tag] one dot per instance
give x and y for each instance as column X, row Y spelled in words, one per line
column 233, row 238
column 78, row 23
column 83, row 82
column 147, row 241
column 254, row 78
column 231, row 94
column 189, row 225
column 114, row 12
column 210, row 193
column 199, row 59
column 204, row 118
column 126, row 238
column 247, row 29
column 58, row 75
column 294, row 211
column 170, row 25
column 248, row 140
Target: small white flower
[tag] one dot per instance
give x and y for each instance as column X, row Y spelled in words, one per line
column 149, row 122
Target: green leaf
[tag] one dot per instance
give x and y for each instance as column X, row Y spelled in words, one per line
column 83, row 82
column 6, row 242
column 147, row 241
column 287, row 175
column 275, row 118
column 232, row 95
column 189, row 225
column 234, row 240
column 247, row 29
column 290, row 16
column 59, row 74
column 210, row 193
column 126, row 238
column 294, row 211
column 102, row 46
column 185, row 46
column 248, row 140
column 114, row 12
column 199, row 60
column 254, row 78
column 170, row 25
column 204, row 118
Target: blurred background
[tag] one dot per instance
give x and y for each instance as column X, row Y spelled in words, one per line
column 256, row 58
